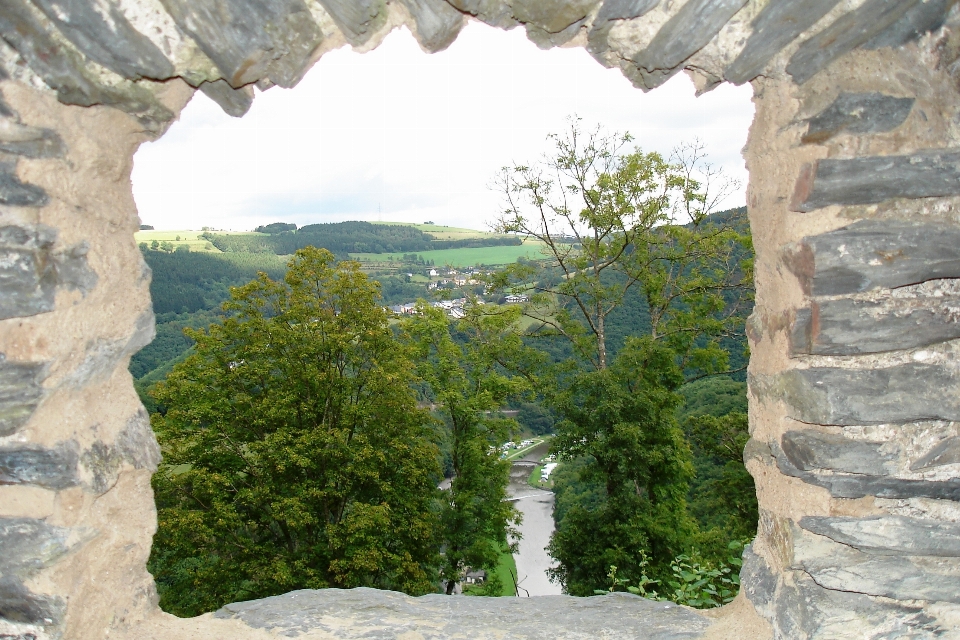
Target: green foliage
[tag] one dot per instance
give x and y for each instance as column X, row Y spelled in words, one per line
column 276, row 227
column 621, row 421
column 467, row 388
column 692, row 583
column 536, row 418
column 724, row 497
column 294, row 453
column 715, row 396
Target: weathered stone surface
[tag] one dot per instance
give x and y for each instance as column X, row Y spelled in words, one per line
column 234, row 102
column 385, row 614
column 357, row 19
column 903, row 393
column 776, row 26
column 858, row 113
column 889, row 535
column 51, row 468
column 848, row 32
column 17, row 194
column 20, row 392
column 869, row 180
column 102, row 465
column 103, row 34
column 849, row 485
column 848, row 327
column 30, row 271
column 66, row 71
column 31, row 142
column 138, row 444
column 947, row 452
column 758, row 582
column 496, row 13
column 610, row 12
column 252, row 39
column 28, row 545
column 874, row 253
column 438, row 23
column 551, row 23
column 840, row 567
column 18, row 604
column 806, row 611
column 685, row 33
column 812, row 450
column 922, row 18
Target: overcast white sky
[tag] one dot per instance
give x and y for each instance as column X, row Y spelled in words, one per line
column 396, row 134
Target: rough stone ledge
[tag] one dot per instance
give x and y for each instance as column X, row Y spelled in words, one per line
column 373, row 615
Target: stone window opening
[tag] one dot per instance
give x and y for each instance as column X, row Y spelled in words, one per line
column 854, row 166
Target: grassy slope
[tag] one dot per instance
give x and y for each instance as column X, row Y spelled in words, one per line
column 466, row 257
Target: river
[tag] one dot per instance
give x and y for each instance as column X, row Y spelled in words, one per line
column 536, row 505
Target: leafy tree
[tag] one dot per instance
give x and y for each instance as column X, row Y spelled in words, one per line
column 621, row 422
column 618, row 224
column 468, row 388
column 731, row 493
column 294, row 452
column 615, row 221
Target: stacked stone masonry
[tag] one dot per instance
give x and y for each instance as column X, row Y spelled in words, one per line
column 854, row 380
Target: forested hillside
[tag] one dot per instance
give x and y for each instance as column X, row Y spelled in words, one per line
column 342, row 238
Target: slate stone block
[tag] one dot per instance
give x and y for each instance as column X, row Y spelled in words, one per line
column 31, row 271
column 853, row 181
column 908, row 392
column 842, row 568
column 812, row 450
column 870, row 254
column 30, row 142
column 922, row 18
column 18, row 604
column 610, row 12
column 805, row 610
column 846, row 485
column 858, row 113
column 27, row 545
column 848, row 32
column 357, row 19
column 685, row 33
column 495, row 13
column 438, row 23
column 758, row 582
column 234, row 102
column 946, row 452
column 18, row 194
column 551, row 23
column 889, row 535
column 776, row 26
column 50, row 468
column 103, row 34
column 252, row 39
column 20, row 393
column 66, row 71
column 848, row 327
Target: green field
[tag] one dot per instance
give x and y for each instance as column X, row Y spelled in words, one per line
column 188, row 237
column 467, row 257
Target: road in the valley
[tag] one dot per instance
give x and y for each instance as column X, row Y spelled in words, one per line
column 536, row 505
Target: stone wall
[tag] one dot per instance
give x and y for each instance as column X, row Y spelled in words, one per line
column 854, row 159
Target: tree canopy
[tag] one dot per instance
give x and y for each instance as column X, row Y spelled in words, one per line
column 295, row 455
